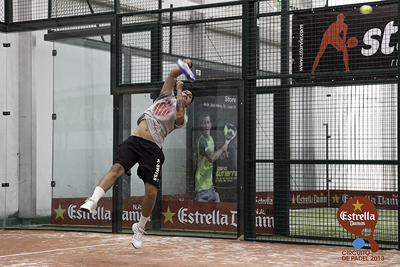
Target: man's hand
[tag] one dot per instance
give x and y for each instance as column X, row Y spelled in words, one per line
column 224, row 155
column 175, row 72
column 179, row 85
column 187, row 61
column 221, row 153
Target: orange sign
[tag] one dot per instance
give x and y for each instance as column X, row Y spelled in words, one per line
column 358, row 214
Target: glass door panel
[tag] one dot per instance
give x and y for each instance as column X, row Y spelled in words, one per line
column 83, row 130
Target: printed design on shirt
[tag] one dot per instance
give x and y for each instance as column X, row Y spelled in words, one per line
column 164, row 108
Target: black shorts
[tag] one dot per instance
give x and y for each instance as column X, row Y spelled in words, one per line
column 149, row 156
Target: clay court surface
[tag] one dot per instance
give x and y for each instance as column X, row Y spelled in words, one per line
column 62, row 248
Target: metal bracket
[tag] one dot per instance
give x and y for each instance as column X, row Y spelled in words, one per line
column 53, row 183
column 54, row 52
column 54, row 116
column 5, row 185
column 6, row 113
column 6, row 44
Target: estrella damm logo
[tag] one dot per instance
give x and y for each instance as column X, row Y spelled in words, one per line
column 359, row 216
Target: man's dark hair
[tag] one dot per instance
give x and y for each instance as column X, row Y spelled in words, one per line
column 192, row 95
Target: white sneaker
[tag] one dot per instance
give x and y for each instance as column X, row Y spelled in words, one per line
column 89, row 206
column 137, row 236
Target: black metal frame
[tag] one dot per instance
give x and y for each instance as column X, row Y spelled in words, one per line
column 249, row 67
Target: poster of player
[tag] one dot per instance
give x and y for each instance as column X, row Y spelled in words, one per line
column 214, row 147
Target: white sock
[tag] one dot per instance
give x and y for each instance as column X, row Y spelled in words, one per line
column 142, row 222
column 97, row 194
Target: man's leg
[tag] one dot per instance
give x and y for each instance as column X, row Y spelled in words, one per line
column 104, row 185
column 150, row 197
column 108, row 180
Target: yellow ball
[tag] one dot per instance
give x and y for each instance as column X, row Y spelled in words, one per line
column 366, row 9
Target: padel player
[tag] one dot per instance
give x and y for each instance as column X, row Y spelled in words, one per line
column 166, row 114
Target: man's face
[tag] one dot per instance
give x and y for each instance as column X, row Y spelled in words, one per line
column 187, row 97
column 206, row 124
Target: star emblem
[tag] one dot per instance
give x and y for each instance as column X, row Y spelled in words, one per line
column 357, row 206
column 335, row 199
column 168, row 215
column 60, row 212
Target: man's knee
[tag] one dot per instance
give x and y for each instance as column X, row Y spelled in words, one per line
column 151, row 191
column 117, row 170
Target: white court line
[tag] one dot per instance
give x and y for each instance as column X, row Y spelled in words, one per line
column 53, row 250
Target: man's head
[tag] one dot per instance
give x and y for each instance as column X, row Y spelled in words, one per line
column 206, row 124
column 188, row 96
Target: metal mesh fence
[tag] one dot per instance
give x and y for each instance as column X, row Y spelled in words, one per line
column 44, row 9
column 138, row 5
column 325, row 124
column 29, row 10
column 64, row 8
column 211, row 37
column 2, row 13
column 136, row 61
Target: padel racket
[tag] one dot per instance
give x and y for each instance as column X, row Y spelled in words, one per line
column 186, row 70
column 230, row 132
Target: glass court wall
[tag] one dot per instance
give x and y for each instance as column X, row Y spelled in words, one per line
column 82, row 123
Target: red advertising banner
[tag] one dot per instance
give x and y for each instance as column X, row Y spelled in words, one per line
column 205, row 216
column 177, row 213
column 265, row 213
column 181, row 214
column 66, row 211
column 335, row 198
column 381, row 199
